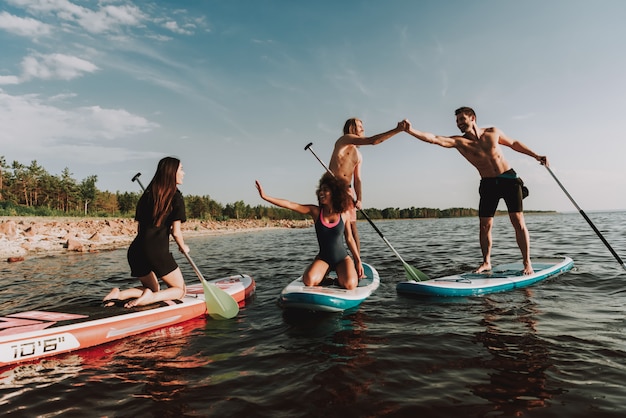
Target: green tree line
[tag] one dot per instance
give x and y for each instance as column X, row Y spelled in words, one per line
column 29, row 190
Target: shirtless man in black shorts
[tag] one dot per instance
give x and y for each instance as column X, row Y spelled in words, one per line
column 480, row 146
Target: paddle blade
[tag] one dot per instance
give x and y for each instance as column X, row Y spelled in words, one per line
column 219, row 304
column 414, row 274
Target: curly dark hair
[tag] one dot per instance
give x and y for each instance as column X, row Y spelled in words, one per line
column 339, row 190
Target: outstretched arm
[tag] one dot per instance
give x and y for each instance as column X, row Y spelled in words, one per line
column 443, row 141
column 371, row 140
column 287, row 204
column 521, row 148
column 377, row 139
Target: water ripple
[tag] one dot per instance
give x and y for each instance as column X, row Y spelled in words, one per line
column 553, row 349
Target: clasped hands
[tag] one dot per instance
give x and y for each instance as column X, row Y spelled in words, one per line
column 404, row 125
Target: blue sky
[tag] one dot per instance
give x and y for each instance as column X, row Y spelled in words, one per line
column 236, row 89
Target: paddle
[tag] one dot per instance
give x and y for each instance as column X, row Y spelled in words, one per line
column 584, row 215
column 411, row 272
column 219, row 304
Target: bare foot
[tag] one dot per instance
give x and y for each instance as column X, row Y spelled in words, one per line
column 528, row 269
column 113, row 294
column 483, row 267
column 145, row 299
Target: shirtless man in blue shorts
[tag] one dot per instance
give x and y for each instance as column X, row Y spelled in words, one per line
column 480, row 146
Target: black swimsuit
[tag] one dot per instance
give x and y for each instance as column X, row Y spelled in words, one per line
column 150, row 250
column 329, row 238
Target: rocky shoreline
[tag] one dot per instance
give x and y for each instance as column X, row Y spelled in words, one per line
column 22, row 237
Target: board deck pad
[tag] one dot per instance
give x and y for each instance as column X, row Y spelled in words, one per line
column 329, row 297
column 501, row 278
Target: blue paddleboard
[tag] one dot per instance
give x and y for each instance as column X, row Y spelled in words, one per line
column 331, row 298
column 501, row 278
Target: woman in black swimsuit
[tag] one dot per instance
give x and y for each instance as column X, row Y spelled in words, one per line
column 160, row 212
column 332, row 222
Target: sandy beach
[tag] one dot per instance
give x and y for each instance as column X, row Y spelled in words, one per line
column 22, row 237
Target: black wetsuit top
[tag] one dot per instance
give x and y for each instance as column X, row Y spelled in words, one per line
column 150, row 250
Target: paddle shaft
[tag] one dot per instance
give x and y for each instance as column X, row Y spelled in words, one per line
column 194, row 267
column 308, row 147
column 584, row 215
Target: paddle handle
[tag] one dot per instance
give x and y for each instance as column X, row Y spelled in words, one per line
column 136, row 178
column 584, row 215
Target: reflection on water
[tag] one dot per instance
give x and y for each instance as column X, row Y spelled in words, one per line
column 142, row 360
column 517, row 378
column 340, row 345
column 554, row 349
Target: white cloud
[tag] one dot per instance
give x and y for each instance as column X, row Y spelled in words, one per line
column 23, row 26
column 160, row 38
column 124, row 15
column 33, row 128
column 62, row 97
column 50, row 67
column 110, row 18
column 9, row 79
column 173, row 26
column 111, row 123
column 55, row 66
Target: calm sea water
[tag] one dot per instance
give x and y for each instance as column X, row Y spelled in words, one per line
column 555, row 349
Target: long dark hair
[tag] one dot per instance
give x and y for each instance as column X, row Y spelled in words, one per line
column 163, row 188
column 341, row 198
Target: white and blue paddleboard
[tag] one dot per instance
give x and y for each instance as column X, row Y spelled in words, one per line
column 501, row 278
column 331, row 298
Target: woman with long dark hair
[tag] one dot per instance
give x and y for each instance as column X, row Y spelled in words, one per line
column 160, row 212
column 332, row 223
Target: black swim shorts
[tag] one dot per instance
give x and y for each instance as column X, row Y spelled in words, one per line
column 507, row 186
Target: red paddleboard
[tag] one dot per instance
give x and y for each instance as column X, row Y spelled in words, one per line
column 32, row 335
